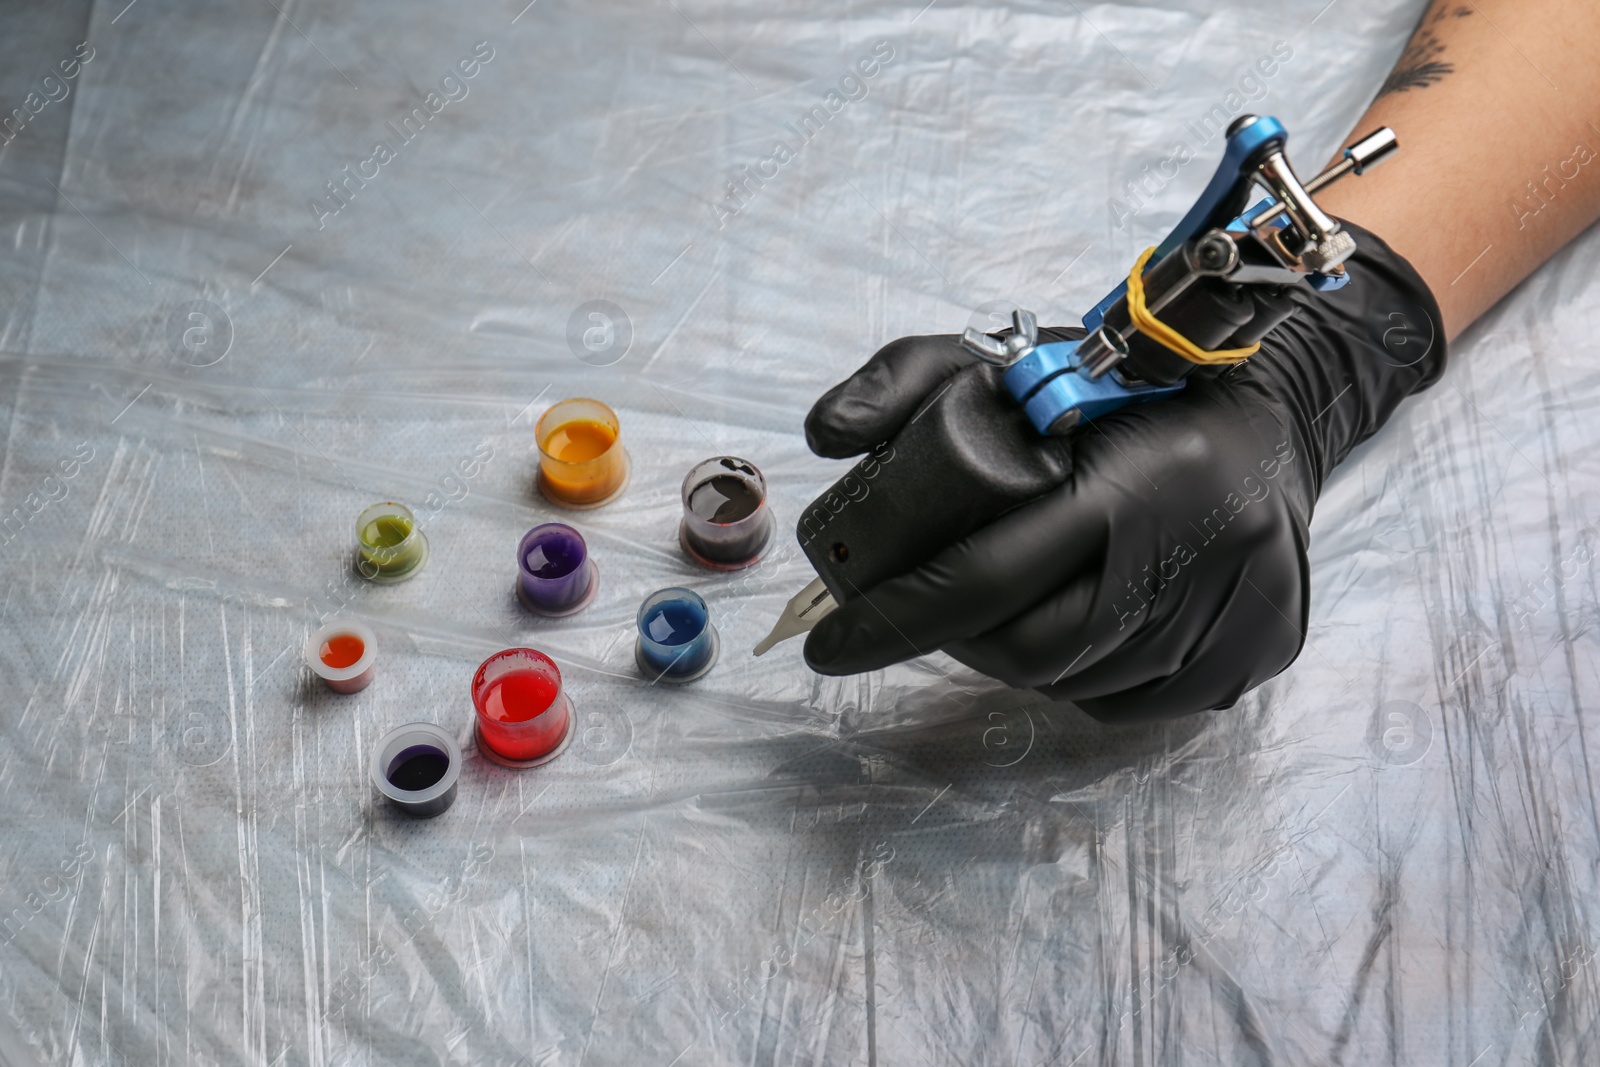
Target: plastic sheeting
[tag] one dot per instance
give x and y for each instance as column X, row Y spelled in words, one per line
column 1388, row 853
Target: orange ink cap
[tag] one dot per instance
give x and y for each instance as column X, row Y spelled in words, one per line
column 328, row 654
column 582, row 463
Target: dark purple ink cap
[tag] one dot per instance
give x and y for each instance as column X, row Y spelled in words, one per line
column 726, row 522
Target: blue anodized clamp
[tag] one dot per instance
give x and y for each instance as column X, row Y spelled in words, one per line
column 1050, row 381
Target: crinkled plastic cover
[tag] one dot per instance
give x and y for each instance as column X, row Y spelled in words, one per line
column 268, row 263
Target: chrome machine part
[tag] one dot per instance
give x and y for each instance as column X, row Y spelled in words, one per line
column 1004, row 351
column 1097, row 353
column 1326, row 245
column 1366, row 153
column 1359, row 158
column 1068, row 421
column 1215, row 254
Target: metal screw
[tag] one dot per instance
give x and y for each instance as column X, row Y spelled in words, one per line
column 1004, row 351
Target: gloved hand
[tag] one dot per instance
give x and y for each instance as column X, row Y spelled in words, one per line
column 1169, row 574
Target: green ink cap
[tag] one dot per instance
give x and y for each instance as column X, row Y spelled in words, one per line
column 389, row 546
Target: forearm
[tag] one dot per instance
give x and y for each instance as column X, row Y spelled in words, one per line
column 1496, row 104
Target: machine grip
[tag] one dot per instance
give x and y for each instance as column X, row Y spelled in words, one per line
column 966, row 458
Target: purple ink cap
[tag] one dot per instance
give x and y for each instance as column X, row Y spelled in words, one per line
column 555, row 575
column 726, row 522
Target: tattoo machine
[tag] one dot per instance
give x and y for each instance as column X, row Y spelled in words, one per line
column 1205, row 296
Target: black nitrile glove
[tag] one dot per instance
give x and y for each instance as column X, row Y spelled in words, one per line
column 1169, row 574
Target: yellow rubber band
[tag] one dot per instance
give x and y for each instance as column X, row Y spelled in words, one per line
column 1165, row 335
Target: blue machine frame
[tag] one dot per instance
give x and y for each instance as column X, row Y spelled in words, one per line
column 1049, row 382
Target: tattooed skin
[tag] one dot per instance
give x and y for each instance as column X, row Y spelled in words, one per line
column 1421, row 64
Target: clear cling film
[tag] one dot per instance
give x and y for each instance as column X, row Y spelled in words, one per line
column 571, row 254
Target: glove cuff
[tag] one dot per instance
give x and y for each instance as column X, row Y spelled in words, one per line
column 1347, row 358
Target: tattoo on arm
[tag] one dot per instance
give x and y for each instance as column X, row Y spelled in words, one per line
column 1422, row 63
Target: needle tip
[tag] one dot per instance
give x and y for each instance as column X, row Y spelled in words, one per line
column 799, row 615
